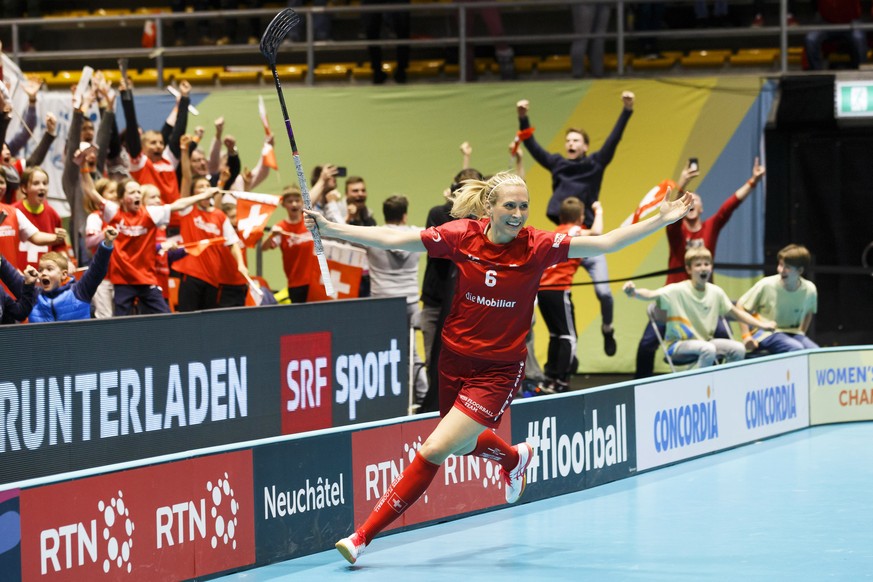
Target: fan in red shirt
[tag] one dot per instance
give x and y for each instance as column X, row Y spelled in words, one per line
column 691, row 232
column 298, row 250
column 500, row 262
column 132, row 269
column 201, row 272
column 35, row 206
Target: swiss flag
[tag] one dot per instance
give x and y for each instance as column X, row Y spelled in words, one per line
column 252, row 213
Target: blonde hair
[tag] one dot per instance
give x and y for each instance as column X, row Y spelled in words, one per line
column 474, row 196
column 57, row 258
column 697, row 253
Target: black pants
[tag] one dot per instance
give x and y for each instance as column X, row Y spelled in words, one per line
column 196, row 294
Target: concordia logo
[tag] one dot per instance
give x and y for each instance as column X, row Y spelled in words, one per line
column 685, row 425
column 557, row 454
column 116, row 529
column 772, row 404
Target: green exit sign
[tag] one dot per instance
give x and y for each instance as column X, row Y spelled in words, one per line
column 854, row 99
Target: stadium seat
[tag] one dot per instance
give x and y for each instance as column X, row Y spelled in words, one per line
column 286, row 72
column 610, row 61
column 365, row 70
column 333, row 71
column 754, row 57
column 426, row 68
column 144, row 77
column 705, row 59
column 555, row 64
column 524, row 64
column 63, row 79
column 200, row 75
column 663, row 62
column 233, row 75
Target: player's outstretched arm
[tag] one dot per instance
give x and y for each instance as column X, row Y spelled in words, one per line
column 372, row 236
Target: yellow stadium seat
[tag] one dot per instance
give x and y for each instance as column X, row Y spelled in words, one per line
column 754, row 57
column 795, row 55
column 333, row 71
column 200, row 75
column 525, row 64
column 111, row 75
column 240, row 75
column 660, row 63
column 286, row 73
column 365, row 71
column 144, row 77
column 63, row 79
column 706, row 58
column 112, row 12
column 555, row 64
column 428, row 68
column 610, row 61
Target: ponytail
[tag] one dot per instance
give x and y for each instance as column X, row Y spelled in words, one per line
column 474, row 196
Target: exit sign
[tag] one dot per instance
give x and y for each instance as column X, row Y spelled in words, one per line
column 853, row 99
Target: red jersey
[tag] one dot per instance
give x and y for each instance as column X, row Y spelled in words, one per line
column 496, row 286
column 560, row 277
column 298, row 253
column 681, row 239
column 196, row 224
column 15, row 230
column 161, row 173
column 46, row 220
column 133, row 260
column 228, row 273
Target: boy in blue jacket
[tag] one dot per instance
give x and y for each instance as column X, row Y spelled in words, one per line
column 59, row 300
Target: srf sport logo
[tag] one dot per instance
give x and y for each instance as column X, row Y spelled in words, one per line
column 309, row 371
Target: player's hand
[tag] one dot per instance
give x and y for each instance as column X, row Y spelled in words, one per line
column 627, row 97
column 677, row 209
column 522, row 107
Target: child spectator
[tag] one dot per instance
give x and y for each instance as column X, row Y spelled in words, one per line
column 150, row 161
column 693, row 309
column 102, row 302
column 132, row 269
column 201, row 271
column 298, row 250
column 233, row 272
column 35, row 206
column 12, row 310
column 556, row 300
column 16, row 229
column 60, row 299
column 788, row 299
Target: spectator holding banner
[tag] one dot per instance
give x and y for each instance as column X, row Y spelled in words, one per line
column 500, row 263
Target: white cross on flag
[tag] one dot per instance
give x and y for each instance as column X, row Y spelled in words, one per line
column 252, row 213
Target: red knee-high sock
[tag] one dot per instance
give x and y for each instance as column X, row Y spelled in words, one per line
column 492, row 447
column 405, row 491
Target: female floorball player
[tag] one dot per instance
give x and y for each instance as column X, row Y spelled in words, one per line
column 500, row 262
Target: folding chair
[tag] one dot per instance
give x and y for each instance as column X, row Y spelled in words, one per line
column 659, row 316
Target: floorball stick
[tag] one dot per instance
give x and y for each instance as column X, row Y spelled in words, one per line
column 275, row 33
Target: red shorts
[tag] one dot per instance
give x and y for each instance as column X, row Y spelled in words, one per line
column 481, row 389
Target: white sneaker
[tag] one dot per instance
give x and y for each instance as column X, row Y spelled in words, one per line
column 351, row 547
column 516, row 479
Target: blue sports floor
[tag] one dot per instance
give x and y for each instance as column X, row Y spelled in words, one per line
column 796, row 507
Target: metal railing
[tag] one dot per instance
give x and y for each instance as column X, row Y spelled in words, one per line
column 461, row 11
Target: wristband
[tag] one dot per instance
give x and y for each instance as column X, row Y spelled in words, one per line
column 84, row 170
column 752, row 182
column 747, row 336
